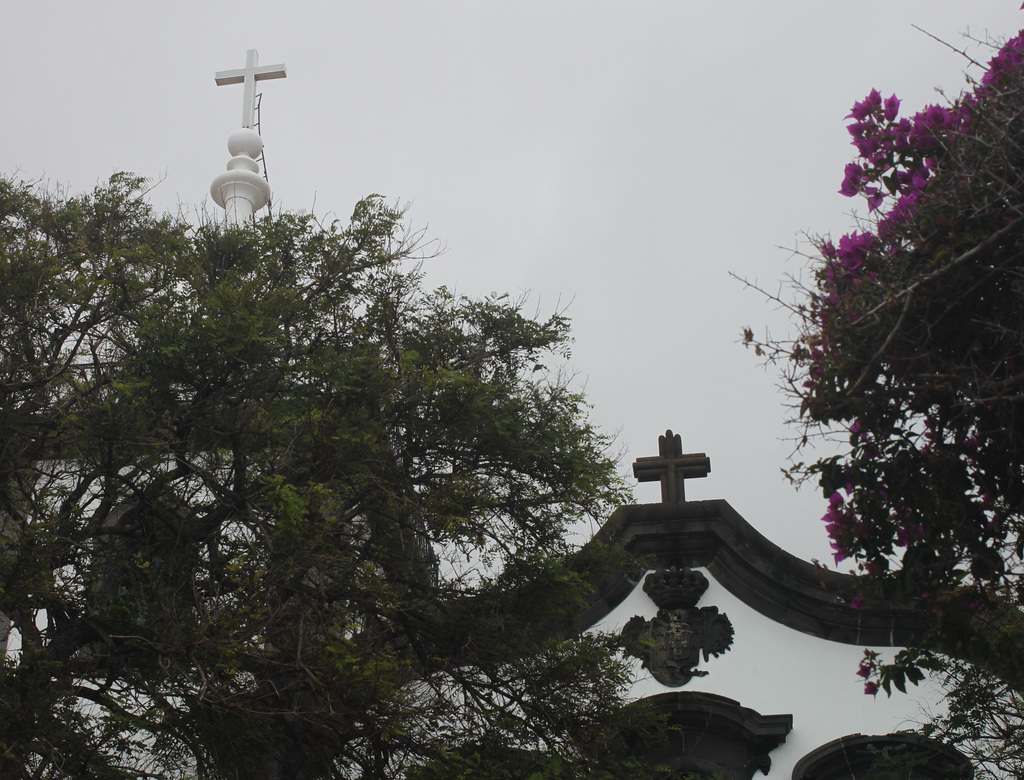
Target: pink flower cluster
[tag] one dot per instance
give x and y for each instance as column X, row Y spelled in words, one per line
column 851, row 253
column 837, row 522
column 844, row 528
column 869, row 668
column 1009, row 60
column 905, row 168
column 896, row 161
column 894, row 154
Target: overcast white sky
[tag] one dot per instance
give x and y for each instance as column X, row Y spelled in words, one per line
column 622, row 156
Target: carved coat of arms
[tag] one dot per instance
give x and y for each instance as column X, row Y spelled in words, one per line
column 671, row 644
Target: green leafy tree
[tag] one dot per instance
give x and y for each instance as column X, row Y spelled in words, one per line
column 271, row 509
column 910, row 345
column 983, row 718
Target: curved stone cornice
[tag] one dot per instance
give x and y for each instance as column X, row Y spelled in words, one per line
column 710, row 735
column 860, row 757
column 779, row 585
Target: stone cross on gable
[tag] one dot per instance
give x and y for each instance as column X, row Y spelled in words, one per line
column 248, row 76
column 671, row 467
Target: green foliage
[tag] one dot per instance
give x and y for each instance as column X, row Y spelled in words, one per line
column 269, row 508
column 983, row 720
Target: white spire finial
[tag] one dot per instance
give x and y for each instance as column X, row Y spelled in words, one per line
column 240, row 190
column 248, row 76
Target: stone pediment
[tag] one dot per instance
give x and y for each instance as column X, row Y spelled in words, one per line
column 793, row 592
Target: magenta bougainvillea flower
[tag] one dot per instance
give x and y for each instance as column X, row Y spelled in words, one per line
column 892, row 107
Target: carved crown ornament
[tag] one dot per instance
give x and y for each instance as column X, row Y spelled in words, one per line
column 670, row 644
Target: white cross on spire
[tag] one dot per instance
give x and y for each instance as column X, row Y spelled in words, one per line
column 248, row 76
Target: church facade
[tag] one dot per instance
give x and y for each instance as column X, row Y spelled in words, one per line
column 752, row 653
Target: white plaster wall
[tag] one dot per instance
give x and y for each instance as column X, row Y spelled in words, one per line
column 778, row 670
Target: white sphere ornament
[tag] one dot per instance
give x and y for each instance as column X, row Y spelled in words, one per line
column 245, row 141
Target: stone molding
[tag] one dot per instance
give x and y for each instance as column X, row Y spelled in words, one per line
column 907, row 756
column 711, row 734
column 790, row 591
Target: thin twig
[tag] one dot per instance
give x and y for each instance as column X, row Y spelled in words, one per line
column 885, row 345
column 962, row 53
